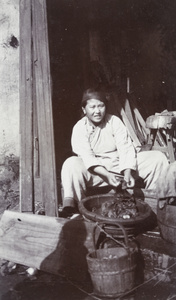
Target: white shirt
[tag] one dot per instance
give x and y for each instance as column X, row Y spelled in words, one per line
column 107, row 144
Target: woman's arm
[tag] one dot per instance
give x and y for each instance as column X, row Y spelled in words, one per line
column 110, row 178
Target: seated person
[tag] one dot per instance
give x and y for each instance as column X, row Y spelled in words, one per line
column 104, row 149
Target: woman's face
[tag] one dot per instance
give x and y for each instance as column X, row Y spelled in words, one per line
column 95, row 110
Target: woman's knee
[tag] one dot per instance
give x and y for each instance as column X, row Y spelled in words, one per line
column 70, row 161
column 153, row 155
column 72, row 164
column 160, row 157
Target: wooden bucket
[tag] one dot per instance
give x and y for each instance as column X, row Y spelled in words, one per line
column 167, row 222
column 112, row 270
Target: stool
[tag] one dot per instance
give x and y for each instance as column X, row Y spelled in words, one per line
column 160, row 125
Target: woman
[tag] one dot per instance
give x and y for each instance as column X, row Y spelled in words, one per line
column 104, row 150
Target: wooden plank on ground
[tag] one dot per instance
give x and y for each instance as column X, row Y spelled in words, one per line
column 44, row 108
column 26, row 138
column 54, row 245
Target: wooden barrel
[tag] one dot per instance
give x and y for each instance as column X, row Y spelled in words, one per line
column 167, row 222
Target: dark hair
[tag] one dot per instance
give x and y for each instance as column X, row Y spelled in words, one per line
column 93, row 93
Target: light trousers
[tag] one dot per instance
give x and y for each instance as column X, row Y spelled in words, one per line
column 76, row 179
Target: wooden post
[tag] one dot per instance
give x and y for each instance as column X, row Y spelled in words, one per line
column 26, row 106
column 37, row 157
column 44, row 107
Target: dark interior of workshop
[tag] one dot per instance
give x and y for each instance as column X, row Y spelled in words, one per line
column 99, row 42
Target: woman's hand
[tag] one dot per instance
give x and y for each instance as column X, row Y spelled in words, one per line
column 128, row 178
column 113, row 180
column 109, row 178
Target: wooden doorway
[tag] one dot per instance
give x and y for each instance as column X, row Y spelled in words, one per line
column 37, row 157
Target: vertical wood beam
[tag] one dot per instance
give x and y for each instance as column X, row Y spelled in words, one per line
column 44, row 107
column 26, row 107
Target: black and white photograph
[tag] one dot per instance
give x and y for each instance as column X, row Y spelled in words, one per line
column 88, row 150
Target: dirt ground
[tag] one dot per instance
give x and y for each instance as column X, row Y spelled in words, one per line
column 18, row 282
